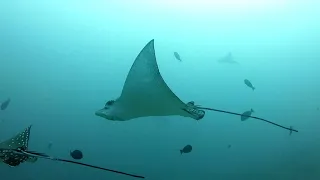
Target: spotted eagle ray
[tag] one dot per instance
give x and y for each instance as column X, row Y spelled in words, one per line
column 14, row 151
column 20, row 141
column 146, row 94
column 228, row 59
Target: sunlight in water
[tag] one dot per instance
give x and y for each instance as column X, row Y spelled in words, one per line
column 220, row 5
column 187, row 8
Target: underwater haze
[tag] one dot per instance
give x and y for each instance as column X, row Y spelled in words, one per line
column 62, row 60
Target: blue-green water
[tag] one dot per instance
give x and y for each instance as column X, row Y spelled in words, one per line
column 60, row 61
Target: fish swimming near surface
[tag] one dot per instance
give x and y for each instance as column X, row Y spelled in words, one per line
column 146, row 94
column 246, row 115
column 228, row 59
column 186, row 149
column 177, row 56
column 5, row 104
column 15, row 151
column 249, row 84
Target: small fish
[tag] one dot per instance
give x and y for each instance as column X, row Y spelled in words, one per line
column 229, row 146
column 76, row 154
column 186, row 149
column 249, row 84
column 177, row 56
column 5, row 104
column 244, row 116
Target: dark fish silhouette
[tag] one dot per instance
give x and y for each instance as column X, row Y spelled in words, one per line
column 76, row 154
column 229, row 146
column 249, row 84
column 5, row 104
column 246, row 115
column 14, row 151
column 186, row 149
column 177, row 56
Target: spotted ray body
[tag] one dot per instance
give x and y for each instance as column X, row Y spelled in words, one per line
column 14, row 151
column 17, row 142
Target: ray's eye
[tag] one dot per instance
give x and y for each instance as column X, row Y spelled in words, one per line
column 109, row 103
